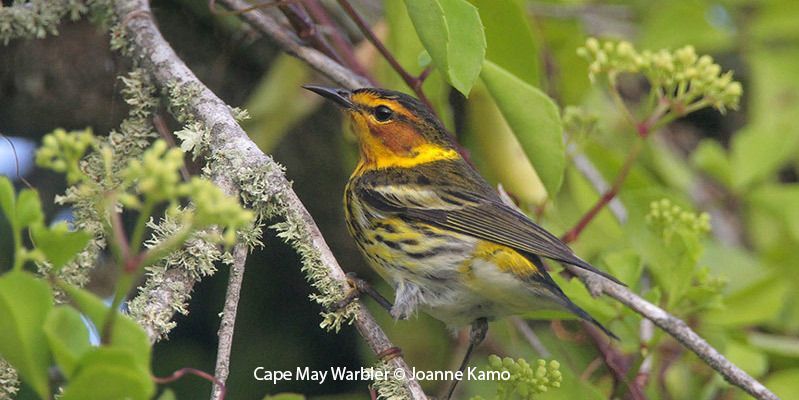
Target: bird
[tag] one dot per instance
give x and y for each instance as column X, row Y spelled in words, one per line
column 430, row 225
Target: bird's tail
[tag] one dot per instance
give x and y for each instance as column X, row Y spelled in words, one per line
column 574, row 308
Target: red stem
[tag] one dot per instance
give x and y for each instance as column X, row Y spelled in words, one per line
column 342, row 45
column 414, row 83
column 423, row 76
column 616, row 362
column 578, row 228
column 306, row 29
column 193, row 371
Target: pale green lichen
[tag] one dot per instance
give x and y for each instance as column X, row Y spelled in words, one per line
column 261, row 188
column 9, row 381
column 182, row 97
column 240, row 114
column 128, row 142
column 193, row 137
column 394, row 387
column 196, row 259
column 36, row 19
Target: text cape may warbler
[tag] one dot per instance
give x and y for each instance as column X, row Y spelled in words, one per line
column 430, row 225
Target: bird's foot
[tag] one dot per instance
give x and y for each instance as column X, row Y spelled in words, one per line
column 359, row 287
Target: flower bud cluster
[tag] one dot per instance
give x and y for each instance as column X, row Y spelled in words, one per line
column 681, row 74
column 668, row 218
column 213, row 207
column 152, row 180
column 62, row 151
column 157, row 174
column 525, row 379
column 157, row 179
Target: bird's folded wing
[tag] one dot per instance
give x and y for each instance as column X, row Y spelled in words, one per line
column 474, row 215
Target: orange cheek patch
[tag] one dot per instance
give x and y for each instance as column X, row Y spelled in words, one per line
column 398, row 138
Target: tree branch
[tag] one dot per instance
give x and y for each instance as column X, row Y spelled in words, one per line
column 291, row 44
column 234, row 154
column 678, row 330
column 228, row 322
column 597, row 285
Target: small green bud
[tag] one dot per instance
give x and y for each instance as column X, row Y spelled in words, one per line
column 592, row 45
column 494, row 361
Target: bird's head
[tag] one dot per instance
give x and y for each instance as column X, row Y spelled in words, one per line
column 393, row 129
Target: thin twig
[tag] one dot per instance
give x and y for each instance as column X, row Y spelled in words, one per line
column 234, row 150
column 677, row 329
column 414, row 83
column 228, row 322
column 163, row 130
column 306, row 29
column 646, row 332
column 530, row 336
column 292, row 45
column 340, row 43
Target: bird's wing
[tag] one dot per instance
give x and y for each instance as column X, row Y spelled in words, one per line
column 475, row 215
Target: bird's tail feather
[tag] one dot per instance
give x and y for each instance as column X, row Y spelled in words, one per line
column 587, row 317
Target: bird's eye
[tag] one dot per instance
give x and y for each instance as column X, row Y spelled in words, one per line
column 383, row 113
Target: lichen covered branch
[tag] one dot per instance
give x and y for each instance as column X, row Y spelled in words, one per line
column 238, row 166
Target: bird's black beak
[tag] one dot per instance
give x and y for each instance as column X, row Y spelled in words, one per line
column 339, row 96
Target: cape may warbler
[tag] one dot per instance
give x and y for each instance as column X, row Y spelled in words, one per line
column 430, row 225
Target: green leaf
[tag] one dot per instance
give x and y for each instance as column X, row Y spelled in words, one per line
column 784, row 383
column 534, row 119
column 711, row 159
column 58, row 244
column 759, row 302
column 452, row 33
column 777, row 200
column 697, row 23
column 168, row 394
column 127, row 333
column 671, row 263
column 110, row 373
column 785, row 346
column 25, row 302
column 510, row 40
column 7, row 203
column 771, row 138
column 562, row 37
column 625, row 265
column 272, row 116
column 29, row 209
column 496, row 151
column 68, row 337
column 748, row 358
column 404, row 43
